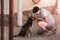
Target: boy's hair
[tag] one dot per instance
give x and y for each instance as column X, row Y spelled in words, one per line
column 35, row 9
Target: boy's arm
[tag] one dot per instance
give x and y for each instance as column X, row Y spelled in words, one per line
column 39, row 19
column 43, row 19
column 46, row 19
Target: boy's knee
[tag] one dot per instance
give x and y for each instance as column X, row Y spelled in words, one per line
column 42, row 23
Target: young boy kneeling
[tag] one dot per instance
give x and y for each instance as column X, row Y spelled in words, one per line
column 45, row 20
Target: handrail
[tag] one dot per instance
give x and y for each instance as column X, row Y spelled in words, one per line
column 11, row 19
column 2, row 19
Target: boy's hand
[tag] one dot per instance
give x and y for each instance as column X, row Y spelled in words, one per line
column 39, row 19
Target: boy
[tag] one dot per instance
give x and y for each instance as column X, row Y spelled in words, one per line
column 45, row 19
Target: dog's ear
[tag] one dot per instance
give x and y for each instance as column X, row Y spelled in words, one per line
column 29, row 18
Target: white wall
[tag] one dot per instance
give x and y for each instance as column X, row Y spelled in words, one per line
column 17, row 8
column 58, row 7
column 24, row 5
column 6, row 6
column 16, row 2
column 19, row 15
column 28, row 4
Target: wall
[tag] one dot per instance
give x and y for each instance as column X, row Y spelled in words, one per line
column 28, row 4
column 6, row 6
column 19, row 15
column 58, row 7
column 6, row 12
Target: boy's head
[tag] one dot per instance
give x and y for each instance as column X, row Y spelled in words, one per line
column 36, row 9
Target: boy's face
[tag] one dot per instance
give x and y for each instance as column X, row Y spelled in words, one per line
column 38, row 12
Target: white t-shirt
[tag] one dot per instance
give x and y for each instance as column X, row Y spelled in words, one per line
column 45, row 13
